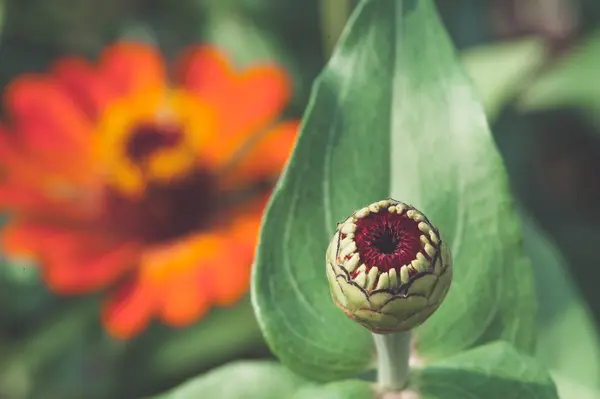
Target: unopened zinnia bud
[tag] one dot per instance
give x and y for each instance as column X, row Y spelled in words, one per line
column 388, row 267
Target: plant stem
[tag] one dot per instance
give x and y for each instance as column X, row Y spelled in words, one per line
column 334, row 14
column 393, row 351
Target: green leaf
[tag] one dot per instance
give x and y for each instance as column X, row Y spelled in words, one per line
column 347, row 389
column 393, row 82
column 493, row 371
column 568, row 341
column 265, row 380
column 445, row 162
column 567, row 388
column 572, row 82
column 499, row 70
column 241, row 380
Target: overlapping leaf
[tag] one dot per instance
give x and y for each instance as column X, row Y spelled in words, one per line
column 493, row 371
column 392, row 114
column 568, row 342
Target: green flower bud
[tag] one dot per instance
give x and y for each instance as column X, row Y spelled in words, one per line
column 388, row 267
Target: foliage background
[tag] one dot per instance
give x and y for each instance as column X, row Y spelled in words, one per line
column 535, row 63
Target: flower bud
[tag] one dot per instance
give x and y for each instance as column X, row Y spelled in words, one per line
column 388, row 267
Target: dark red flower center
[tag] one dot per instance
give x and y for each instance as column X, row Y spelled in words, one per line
column 170, row 209
column 166, row 211
column 387, row 240
column 147, row 138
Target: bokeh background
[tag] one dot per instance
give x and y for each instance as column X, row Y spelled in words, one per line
column 535, row 62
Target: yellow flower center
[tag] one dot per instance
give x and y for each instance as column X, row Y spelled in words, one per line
column 157, row 188
column 152, row 137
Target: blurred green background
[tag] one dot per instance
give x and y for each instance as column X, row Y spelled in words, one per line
column 536, row 64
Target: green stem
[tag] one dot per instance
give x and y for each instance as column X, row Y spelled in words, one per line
column 393, row 352
column 334, row 14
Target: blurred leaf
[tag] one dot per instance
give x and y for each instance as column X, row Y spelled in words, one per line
column 411, row 94
column 80, row 26
column 22, row 367
column 568, row 342
column 229, row 331
column 240, row 380
column 499, row 70
column 168, row 356
column 493, row 371
column 467, row 21
column 572, row 82
column 2, row 6
column 246, row 41
column 567, row 388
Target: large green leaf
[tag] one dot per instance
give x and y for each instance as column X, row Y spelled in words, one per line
column 392, row 113
column 346, row 389
column 265, row 380
column 488, row 372
column 568, row 341
column 241, row 380
column 493, row 371
column 445, row 163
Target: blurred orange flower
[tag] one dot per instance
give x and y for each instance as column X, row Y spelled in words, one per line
column 119, row 175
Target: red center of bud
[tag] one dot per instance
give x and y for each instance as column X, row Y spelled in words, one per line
column 387, row 240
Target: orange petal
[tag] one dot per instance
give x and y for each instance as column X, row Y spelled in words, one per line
column 184, row 299
column 72, row 261
column 205, row 71
column 85, row 85
column 258, row 97
column 183, row 272
column 266, row 159
column 132, row 66
column 230, row 283
column 128, row 309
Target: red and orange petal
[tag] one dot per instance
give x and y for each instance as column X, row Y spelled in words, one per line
column 247, row 100
column 66, row 206
column 206, row 71
column 15, row 166
column 85, row 85
column 123, row 69
column 129, row 67
column 74, row 261
column 49, row 125
column 266, row 158
column 181, row 281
